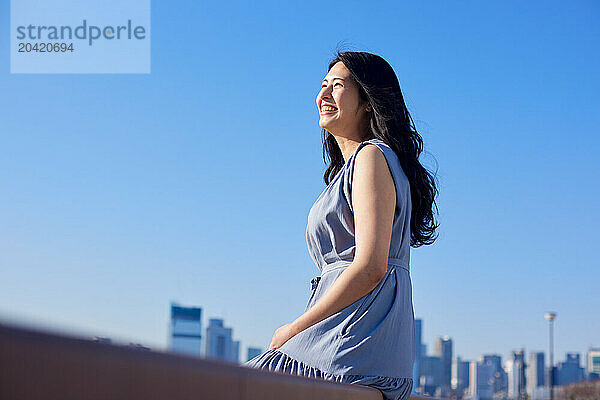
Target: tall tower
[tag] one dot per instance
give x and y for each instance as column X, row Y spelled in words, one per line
column 443, row 350
column 497, row 378
column 516, row 375
column 460, row 375
column 186, row 330
column 219, row 343
column 473, row 379
column 535, row 374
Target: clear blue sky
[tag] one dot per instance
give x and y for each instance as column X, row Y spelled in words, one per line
column 121, row 193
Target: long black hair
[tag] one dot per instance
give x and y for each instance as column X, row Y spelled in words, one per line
column 391, row 122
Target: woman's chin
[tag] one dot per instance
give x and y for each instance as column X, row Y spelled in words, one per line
column 325, row 123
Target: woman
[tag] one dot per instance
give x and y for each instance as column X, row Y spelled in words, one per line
column 358, row 326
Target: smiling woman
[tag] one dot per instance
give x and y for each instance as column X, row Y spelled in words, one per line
column 358, row 326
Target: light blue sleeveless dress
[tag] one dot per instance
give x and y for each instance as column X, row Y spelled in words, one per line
column 372, row 341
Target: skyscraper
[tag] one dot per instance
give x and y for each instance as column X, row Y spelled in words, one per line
column 460, row 375
column 516, row 375
column 498, row 380
column 535, row 375
column 431, row 374
column 186, row 330
column 535, row 369
column 219, row 343
column 486, row 377
column 479, row 385
column 443, row 350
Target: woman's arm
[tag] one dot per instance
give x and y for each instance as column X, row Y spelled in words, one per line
column 373, row 199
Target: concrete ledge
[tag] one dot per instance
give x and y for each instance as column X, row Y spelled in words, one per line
column 39, row 365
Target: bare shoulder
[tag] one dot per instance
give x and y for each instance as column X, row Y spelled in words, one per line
column 372, row 174
column 371, row 162
column 370, row 152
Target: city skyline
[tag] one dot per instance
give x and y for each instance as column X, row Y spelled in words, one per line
column 245, row 343
column 191, row 315
column 441, row 372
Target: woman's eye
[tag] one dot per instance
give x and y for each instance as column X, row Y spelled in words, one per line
column 337, row 83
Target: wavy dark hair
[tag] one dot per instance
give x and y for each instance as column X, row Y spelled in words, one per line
column 391, row 122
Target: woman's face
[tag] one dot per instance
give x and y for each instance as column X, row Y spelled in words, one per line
column 340, row 109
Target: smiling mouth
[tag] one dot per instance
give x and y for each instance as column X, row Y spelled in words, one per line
column 327, row 109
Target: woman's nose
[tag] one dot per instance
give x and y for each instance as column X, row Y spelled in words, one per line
column 326, row 93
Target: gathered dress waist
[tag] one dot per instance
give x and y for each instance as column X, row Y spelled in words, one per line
column 397, row 262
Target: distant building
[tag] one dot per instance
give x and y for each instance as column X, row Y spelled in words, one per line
column 516, row 375
column 235, row 351
column 593, row 362
column 253, row 352
column 570, row 371
column 554, row 372
column 498, row 379
column 535, row 375
column 186, row 330
column 460, row 375
column 443, row 350
column 486, row 377
column 478, row 387
column 431, row 375
column 219, row 343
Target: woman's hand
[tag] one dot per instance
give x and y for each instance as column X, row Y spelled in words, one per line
column 282, row 335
